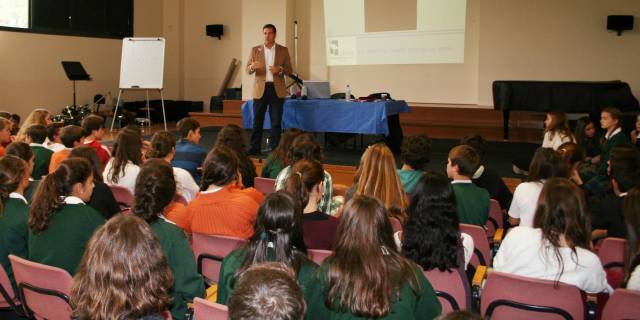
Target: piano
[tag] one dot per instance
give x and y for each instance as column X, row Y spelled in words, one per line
column 562, row 96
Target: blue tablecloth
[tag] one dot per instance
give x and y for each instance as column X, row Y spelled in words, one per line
column 331, row 115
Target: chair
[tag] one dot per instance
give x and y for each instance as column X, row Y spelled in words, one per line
column 265, row 185
column 481, row 250
column 496, row 218
column 8, row 298
column 623, row 304
column 318, row 255
column 123, row 196
column 180, row 199
column 209, row 250
column 507, row 296
column 44, row 290
column 611, row 254
column 452, row 289
column 395, row 224
column 203, row 309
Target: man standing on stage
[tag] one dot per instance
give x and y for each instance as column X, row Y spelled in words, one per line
column 269, row 62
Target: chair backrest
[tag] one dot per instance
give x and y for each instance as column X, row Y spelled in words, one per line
column 395, row 224
column 507, row 296
column 496, row 218
column 8, row 298
column 203, row 309
column 612, row 253
column 180, row 199
column 481, row 251
column 43, row 289
column 265, row 185
column 452, row 289
column 318, row 255
column 123, row 196
column 209, row 250
column 623, row 304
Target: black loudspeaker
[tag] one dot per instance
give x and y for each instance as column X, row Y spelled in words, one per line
column 620, row 23
column 215, row 30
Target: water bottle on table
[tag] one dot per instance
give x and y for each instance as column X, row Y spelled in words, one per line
column 347, row 93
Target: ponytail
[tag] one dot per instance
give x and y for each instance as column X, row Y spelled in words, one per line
column 51, row 192
column 304, row 176
column 12, row 172
column 162, row 143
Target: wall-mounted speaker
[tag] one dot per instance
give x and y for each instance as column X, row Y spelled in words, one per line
column 619, row 23
column 215, row 30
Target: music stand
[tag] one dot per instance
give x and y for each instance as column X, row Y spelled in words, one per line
column 75, row 71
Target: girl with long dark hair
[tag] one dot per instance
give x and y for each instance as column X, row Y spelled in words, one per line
column 163, row 146
column 124, row 166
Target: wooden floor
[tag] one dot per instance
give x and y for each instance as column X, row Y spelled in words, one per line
column 146, row 131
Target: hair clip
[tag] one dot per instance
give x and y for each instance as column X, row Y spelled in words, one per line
column 385, row 251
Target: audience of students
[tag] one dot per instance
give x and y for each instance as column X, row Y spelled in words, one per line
column 5, row 134
column 14, row 179
column 123, row 168
column 431, row 237
column 71, row 137
column 277, row 238
column 306, row 185
column 556, row 246
column 573, row 157
column 588, row 137
column 546, row 163
column 36, row 135
column 631, row 210
column 232, row 137
column 366, row 276
column 377, row 177
column 93, row 127
column 60, row 223
column 53, row 135
column 279, row 157
column 486, row 177
column 189, row 155
column 38, row 116
column 155, row 189
column 222, row 207
column 267, row 290
column 15, row 120
column 163, row 146
column 635, row 133
column 24, row 152
column 123, row 274
column 472, row 202
column 556, row 130
column 415, row 155
column 102, row 198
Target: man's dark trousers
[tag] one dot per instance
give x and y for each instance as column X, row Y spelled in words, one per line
column 269, row 98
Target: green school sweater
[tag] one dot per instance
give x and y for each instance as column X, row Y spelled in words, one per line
column 13, row 234
column 408, row 305
column 41, row 162
column 63, row 242
column 618, row 138
column 233, row 262
column 271, row 168
column 472, row 203
column 187, row 282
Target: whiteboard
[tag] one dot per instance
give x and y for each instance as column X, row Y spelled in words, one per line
column 142, row 64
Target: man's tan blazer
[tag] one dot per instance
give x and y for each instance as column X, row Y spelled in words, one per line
column 282, row 60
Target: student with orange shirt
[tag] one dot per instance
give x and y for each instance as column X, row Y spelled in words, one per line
column 71, row 136
column 222, row 207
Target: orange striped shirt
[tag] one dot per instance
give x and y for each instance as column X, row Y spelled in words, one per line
column 58, row 157
column 231, row 211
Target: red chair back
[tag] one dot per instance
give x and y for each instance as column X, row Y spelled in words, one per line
column 611, row 254
column 481, row 250
column 265, row 185
column 203, row 309
column 623, row 304
column 507, row 296
column 43, row 289
column 8, row 298
column 123, row 196
column 209, row 250
column 496, row 219
column 451, row 288
column 318, row 255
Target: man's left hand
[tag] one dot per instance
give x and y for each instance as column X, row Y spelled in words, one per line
column 275, row 70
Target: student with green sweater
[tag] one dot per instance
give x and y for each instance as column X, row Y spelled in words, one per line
column 60, row 223
column 366, row 277
column 472, row 201
column 154, row 191
column 279, row 158
column 14, row 178
column 36, row 135
column 277, row 238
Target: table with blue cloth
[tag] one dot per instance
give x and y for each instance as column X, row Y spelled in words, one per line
column 332, row 115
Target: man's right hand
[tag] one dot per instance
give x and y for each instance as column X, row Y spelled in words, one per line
column 255, row 65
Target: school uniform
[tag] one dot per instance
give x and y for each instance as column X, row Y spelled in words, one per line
column 472, row 202
column 13, row 232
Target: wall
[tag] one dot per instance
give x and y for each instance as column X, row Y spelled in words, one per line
column 31, row 74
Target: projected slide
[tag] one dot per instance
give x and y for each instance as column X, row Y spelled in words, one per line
column 362, row 32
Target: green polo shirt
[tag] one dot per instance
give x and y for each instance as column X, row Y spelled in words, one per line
column 408, row 304
column 63, row 242
column 472, row 202
column 13, row 233
column 187, row 282
column 41, row 162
